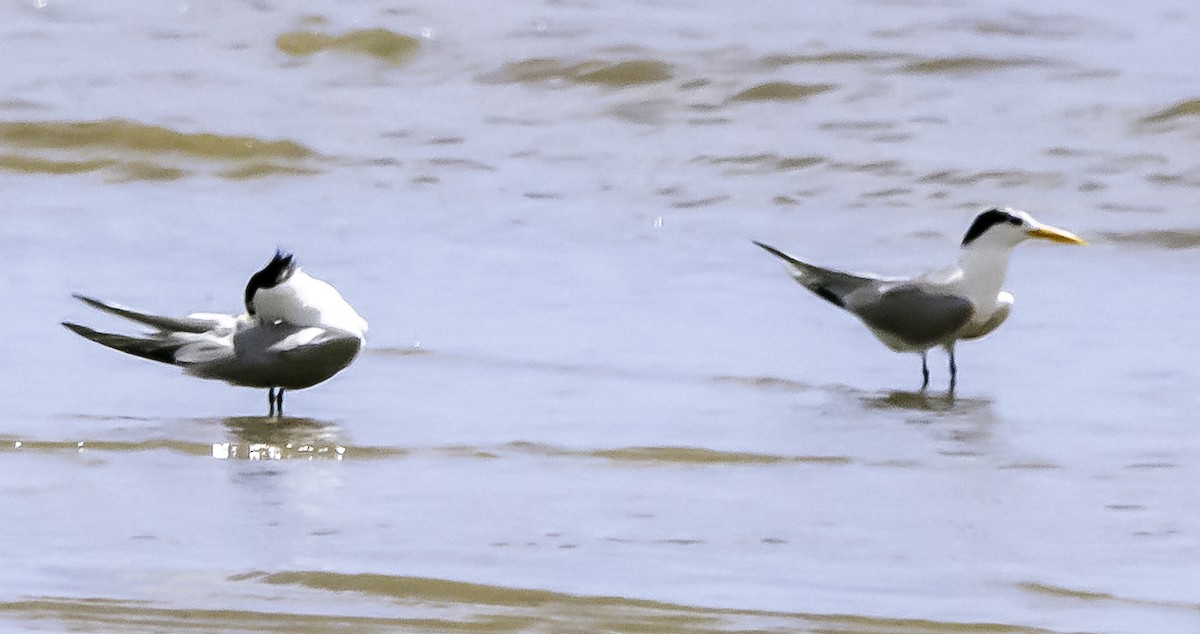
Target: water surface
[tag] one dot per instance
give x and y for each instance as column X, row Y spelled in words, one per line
column 588, row 402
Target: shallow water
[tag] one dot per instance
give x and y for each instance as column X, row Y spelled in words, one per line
column 589, row 402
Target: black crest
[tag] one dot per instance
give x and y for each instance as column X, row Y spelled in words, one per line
column 276, row 272
column 987, row 220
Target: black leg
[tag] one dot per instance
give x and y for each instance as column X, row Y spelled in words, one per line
column 953, row 370
column 271, row 402
column 924, row 372
column 279, row 397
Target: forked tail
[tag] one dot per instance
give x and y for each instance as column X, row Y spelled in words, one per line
column 828, row 284
column 161, row 322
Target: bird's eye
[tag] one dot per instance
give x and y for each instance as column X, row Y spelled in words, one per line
column 1013, row 220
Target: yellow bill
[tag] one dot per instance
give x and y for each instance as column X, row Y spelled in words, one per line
column 1054, row 234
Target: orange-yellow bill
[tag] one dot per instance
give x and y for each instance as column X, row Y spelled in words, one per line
column 1054, row 234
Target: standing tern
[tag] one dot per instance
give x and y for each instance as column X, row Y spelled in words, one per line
column 297, row 331
column 940, row 307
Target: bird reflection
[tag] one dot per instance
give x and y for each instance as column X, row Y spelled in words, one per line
column 920, row 401
column 258, row 438
column 964, row 421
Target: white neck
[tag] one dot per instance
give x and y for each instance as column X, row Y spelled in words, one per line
column 984, row 268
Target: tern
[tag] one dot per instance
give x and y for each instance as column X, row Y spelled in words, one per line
column 297, row 331
column 941, row 307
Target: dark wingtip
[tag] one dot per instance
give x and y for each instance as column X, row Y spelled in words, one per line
column 90, row 301
column 76, row 328
column 824, row 293
column 773, row 251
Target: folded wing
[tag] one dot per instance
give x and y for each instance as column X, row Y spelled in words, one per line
column 913, row 316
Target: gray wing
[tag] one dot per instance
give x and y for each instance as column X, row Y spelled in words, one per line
column 163, row 323
column 281, row 355
column 828, row 284
column 918, row 317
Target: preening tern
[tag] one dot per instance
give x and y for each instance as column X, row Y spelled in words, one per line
column 297, row 331
column 940, row 307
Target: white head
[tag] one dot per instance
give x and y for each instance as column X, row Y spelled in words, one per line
column 1004, row 228
column 279, row 270
column 281, row 291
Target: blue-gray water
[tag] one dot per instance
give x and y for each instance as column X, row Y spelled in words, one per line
column 588, row 401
